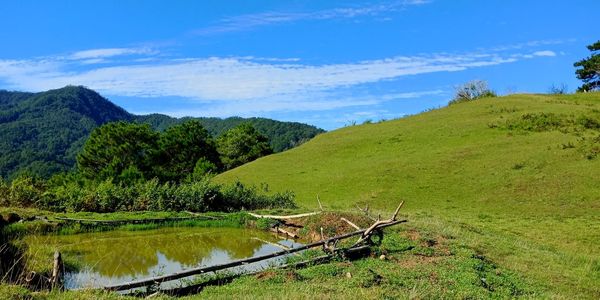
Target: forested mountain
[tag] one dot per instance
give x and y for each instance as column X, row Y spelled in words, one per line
column 282, row 135
column 41, row 133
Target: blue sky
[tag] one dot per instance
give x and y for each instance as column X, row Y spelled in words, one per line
column 326, row 63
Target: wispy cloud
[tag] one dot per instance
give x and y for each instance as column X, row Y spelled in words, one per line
column 233, row 78
column 109, row 52
column 226, row 85
column 249, row 21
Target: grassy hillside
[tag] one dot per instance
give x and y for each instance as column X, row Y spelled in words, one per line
column 516, row 177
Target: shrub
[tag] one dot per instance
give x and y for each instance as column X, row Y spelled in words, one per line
column 25, row 192
column 558, row 89
column 472, row 90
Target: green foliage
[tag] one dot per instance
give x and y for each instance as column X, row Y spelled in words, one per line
column 282, row 135
column 41, row 133
column 70, row 193
column 25, row 192
column 186, row 148
column 589, row 69
column 242, row 144
column 119, row 150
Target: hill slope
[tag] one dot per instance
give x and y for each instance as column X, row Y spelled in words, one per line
column 41, row 133
column 515, row 177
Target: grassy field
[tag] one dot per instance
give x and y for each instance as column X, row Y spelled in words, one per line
column 515, row 178
column 502, row 195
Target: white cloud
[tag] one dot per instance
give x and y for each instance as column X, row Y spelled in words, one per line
column 208, row 79
column 544, row 53
column 109, row 52
column 245, row 22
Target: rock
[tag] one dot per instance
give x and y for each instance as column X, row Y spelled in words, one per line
column 382, row 257
column 348, row 275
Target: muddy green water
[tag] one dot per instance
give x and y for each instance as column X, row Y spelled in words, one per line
column 113, row 257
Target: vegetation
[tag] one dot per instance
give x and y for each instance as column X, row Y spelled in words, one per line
column 282, row 135
column 119, row 150
column 42, row 133
column 588, row 69
column 472, row 90
column 242, row 144
column 71, row 194
column 498, row 175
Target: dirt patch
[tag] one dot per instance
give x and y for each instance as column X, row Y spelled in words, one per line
column 266, row 275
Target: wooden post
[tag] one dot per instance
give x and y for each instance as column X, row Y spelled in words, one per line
column 57, row 272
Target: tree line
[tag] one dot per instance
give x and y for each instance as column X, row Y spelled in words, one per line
column 128, row 152
column 129, row 166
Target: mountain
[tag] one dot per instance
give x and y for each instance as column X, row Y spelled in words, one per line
column 517, row 177
column 41, row 133
column 282, row 135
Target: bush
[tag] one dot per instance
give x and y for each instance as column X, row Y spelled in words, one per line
column 25, row 192
column 558, row 89
column 472, row 90
column 70, row 193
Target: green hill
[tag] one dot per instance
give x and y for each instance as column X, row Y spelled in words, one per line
column 515, row 177
column 41, row 133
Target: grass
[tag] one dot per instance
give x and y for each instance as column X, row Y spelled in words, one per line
column 495, row 171
column 498, row 206
column 419, row 263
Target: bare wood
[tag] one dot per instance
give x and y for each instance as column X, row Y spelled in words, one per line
column 272, row 244
column 367, row 233
column 319, row 200
column 202, row 270
column 218, row 281
column 57, row 272
column 366, row 212
column 284, row 217
column 350, row 223
column 290, row 234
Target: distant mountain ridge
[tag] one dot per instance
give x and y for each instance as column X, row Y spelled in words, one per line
column 41, row 133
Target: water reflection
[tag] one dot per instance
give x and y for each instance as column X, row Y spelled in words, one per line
column 118, row 256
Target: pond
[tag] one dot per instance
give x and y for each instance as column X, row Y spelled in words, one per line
column 113, row 257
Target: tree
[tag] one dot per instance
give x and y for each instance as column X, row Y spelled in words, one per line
column 242, row 144
column 119, row 150
column 589, row 69
column 472, row 90
column 182, row 148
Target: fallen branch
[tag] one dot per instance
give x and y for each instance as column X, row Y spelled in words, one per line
column 196, row 288
column 366, row 212
column 203, row 270
column 367, row 233
column 284, row 217
column 350, row 223
column 319, row 200
column 272, row 244
column 290, row 234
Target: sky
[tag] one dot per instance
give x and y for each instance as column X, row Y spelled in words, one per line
column 325, row 63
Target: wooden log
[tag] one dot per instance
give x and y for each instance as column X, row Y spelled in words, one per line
column 290, row 234
column 203, row 270
column 187, row 290
column 284, row 217
column 56, row 281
